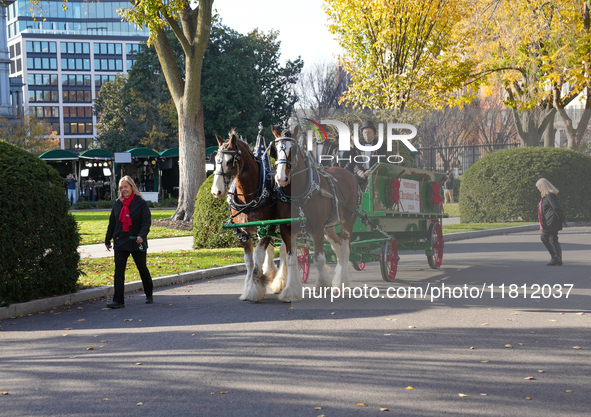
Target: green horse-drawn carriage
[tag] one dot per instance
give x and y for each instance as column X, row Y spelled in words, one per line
column 402, row 210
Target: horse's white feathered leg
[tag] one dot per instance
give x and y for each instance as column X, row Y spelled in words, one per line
column 280, row 280
column 293, row 289
column 323, row 278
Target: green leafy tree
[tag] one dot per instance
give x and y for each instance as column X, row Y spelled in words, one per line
column 121, row 123
column 244, row 82
column 241, row 74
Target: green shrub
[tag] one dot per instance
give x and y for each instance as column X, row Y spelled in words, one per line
column 168, row 202
column 502, row 186
column 38, row 237
column 82, row 205
column 103, row 204
column 210, row 214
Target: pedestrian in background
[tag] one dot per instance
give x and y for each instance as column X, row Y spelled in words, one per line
column 129, row 226
column 71, row 184
column 551, row 219
column 448, row 187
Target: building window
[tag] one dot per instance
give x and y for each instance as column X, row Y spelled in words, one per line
column 44, row 112
column 43, row 96
column 39, row 47
column 99, row 80
column 108, row 65
column 108, row 48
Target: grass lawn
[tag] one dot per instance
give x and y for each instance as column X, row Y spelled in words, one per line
column 93, row 226
column 99, row 272
column 470, row 227
column 452, row 209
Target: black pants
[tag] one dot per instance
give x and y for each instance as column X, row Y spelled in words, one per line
column 121, row 263
column 550, row 240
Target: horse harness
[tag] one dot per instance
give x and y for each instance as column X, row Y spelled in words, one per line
column 313, row 186
column 263, row 194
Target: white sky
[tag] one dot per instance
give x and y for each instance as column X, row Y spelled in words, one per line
column 301, row 24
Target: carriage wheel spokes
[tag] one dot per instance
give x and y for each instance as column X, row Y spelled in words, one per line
column 436, row 238
column 303, row 262
column 389, row 260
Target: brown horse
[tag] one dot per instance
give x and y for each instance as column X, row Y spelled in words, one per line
column 236, row 163
column 325, row 198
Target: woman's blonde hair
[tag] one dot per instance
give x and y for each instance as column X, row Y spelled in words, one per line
column 130, row 181
column 546, row 187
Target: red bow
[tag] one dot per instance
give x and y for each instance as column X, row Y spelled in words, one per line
column 436, row 196
column 396, row 190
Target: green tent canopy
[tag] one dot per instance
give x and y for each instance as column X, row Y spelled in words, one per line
column 97, row 154
column 170, row 153
column 58, row 155
column 142, row 153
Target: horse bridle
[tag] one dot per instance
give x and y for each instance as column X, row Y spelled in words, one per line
column 226, row 176
column 283, row 159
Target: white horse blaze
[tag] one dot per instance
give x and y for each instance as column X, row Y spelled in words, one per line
column 218, row 188
column 281, row 175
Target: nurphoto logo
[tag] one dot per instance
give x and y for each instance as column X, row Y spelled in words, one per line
column 344, row 139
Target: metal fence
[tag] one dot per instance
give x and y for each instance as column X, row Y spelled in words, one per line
column 457, row 158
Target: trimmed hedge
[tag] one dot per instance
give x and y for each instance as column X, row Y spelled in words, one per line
column 502, row 186
column 38, row 237
column 210, row 214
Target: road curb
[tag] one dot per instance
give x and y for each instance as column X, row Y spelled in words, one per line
column 19, row 309
column 30, row 307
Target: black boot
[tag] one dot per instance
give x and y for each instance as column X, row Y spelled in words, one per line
column 555, row 262
column 558, row 252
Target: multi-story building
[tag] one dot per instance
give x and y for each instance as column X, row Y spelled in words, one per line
column 64, row 52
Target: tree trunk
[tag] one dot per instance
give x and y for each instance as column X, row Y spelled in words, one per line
column 573, row 135
column 527, row 127
column 192, row 30
column 550, row 134
column 191, row 159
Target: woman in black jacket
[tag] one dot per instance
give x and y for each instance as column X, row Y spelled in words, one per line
column 129, row 226
column 551, row 220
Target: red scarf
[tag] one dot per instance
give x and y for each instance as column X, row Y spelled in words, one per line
column 124, row 215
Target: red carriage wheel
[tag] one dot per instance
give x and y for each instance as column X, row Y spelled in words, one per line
column 304, row 263
column 389, row 260
column 358, row 266
column 436, row 238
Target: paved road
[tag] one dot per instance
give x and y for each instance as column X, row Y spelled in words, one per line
column 204, row 353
